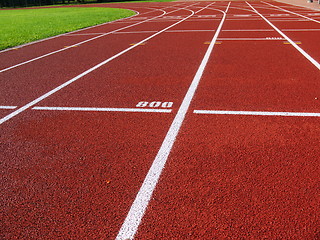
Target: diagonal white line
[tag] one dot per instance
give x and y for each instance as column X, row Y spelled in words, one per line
column 137, row 210
column 257, row 113
column 306, row 55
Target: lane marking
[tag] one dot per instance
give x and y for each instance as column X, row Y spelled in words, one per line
column 70, row 46
column 92, row 109
column 257, row 113
column 182, row 31
column 248, row 30
column 296, row 42
column 300, row 30
column 274, row 38
column 135, row 32
column 85, row 41
column 208, row 42
column 137, row 44
column 137, row 210
column 249, row 39
column 278, row 15
column 311, row 19
column 44, row 96
column 8, row 107
column 306, row 55
column 206, row 16
column 242, row 15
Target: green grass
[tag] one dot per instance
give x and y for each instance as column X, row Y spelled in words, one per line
column 22, row 26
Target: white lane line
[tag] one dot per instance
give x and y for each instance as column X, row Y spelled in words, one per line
column 251, row 39
column 170, row 31
column 182, row 31
column 300, row 30
column 44, row 96
column 85, row 41
column 91, row 109
column 137, row 210
column 242, row 15
column 306, row 55
column 82, row 34
column 257, row 113
column 282, row 9
column 8, row 107
column 248, row 30
column 135, row 32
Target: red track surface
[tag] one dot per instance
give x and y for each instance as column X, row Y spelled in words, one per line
column 75, row 173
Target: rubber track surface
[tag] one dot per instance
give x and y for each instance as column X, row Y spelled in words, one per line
column 73, row 163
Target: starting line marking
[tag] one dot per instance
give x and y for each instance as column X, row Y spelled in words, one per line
column 256, row 113
column 8, row 107
column 91, row 109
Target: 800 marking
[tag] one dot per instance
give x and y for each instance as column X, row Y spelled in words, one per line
column 155, row 104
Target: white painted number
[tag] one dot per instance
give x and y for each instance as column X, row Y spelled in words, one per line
column 155, row 104
column 142, row 104
column 167, row 104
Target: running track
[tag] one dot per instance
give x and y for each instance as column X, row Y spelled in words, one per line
column 190, row 120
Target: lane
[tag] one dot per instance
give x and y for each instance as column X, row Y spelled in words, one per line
column 74, row 174
column 236, row 176
column 137, row 210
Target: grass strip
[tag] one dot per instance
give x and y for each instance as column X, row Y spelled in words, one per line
column 22, row 26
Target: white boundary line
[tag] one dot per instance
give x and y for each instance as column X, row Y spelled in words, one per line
column 137, row 210
column 92, row 109
column 306, row 55
column 257, row 113
column 85, row 41
column 300, row 30
column 252, row 39
column 44, row 96
column 8, row 107
column 282, row 9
